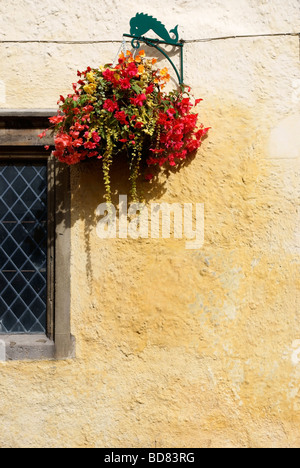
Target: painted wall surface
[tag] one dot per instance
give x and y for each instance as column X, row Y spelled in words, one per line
column 175, row 347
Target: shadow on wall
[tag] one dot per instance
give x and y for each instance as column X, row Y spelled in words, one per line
column 87, row 191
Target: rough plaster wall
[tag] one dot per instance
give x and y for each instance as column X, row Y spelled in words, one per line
column 174, row 347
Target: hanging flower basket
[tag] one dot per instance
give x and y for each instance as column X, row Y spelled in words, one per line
column 124, row 108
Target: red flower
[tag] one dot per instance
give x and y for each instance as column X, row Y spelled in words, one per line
column 157, row 151
column 73, row 158
column 152, row 161
column 184, row 106
column 190, row 122
column 132, row 70
column 56, row 119
column 108, row 75
column 177, row 145
column 88, row 109
column 79, row 127
column 110, row 105
column 162, row 161
column 171, row 160
column 96, row 137
column 90, row 145
column 121, row 117
column 150, row 89
column 92, row 154
column 62, row 141
column 77, row 143
column 139, row 125
column 201, row 133
column 178, row 129
column 162, row 119
column 138, row 100
column 125, row 83
column 192, row 145
column 171, row 112
column 43, row 134
column 183, row 154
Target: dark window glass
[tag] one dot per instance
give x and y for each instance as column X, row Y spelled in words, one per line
column 23, row 247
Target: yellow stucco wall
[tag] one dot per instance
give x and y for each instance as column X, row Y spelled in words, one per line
column 175, row 347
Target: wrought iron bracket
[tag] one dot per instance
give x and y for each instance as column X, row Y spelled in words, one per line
column 143, row 23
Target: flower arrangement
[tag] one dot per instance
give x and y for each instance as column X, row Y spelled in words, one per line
column 124, row 107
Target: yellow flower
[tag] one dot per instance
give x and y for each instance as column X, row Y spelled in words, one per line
column 90, row 88
column 164, row 73
column 141, row 69
column 91, row 77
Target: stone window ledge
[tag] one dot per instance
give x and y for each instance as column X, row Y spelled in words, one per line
column 26, row 348
column 35, row 348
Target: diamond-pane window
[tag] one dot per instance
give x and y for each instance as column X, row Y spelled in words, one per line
column 23, row 247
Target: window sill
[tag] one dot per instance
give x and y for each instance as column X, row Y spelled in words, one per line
column 29, row 348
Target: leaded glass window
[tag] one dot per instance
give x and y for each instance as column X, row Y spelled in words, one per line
column 23, row 247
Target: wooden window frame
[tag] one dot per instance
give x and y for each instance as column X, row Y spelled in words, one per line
column 19, row 141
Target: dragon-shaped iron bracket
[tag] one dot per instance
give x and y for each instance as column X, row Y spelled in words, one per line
column 141, row 24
